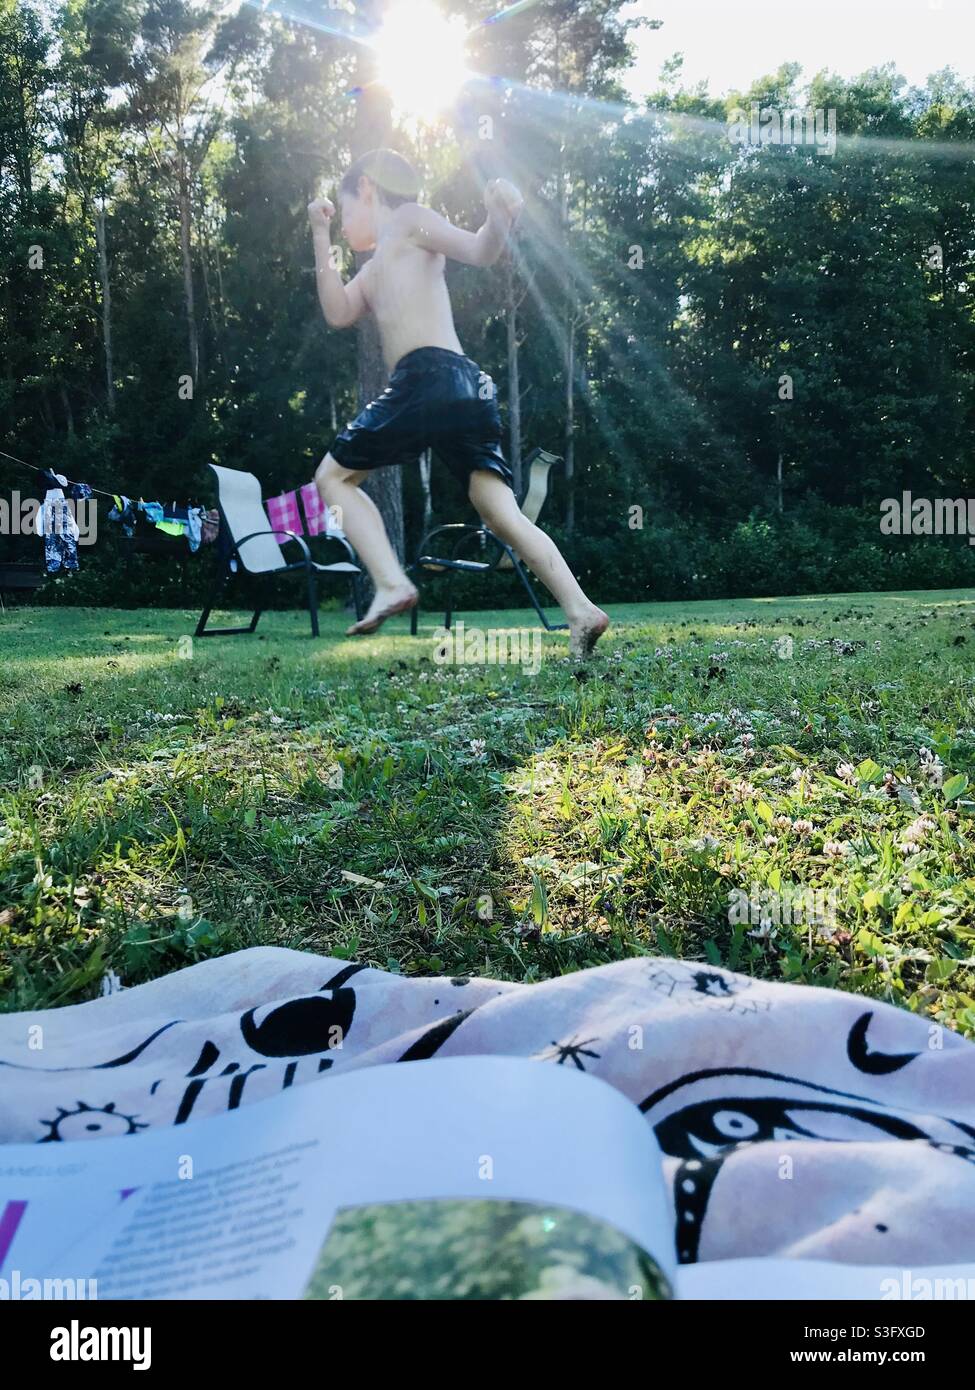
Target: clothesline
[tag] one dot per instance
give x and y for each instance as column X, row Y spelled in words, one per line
column 58, row 524
column 34, row 468
column 283, row 510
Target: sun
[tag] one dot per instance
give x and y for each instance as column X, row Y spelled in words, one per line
column 420, row 57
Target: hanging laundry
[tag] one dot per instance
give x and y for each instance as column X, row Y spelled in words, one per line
column 316, row 513
column 183, row 521
column 57, row 525
column 320, row 518
column 198, row 526
column 284, row 515
column 85, row 514
column 194, row 527
column 124, row 511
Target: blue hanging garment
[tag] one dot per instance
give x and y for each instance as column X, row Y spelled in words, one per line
column 124, row 511
column 194, row 527
column 191, row 519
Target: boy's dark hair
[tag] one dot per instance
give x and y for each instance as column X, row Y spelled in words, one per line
column 394, row 177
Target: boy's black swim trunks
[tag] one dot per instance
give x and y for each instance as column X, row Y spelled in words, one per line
column 435, row 399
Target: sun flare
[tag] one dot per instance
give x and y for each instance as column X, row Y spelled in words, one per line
column 420, row 57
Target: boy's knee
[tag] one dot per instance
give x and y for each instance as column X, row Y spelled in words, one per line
column 329, row 475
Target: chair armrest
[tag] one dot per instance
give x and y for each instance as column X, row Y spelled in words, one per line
column 439, row 530
column 468, row 533
column 422, row 552
column 344, row 543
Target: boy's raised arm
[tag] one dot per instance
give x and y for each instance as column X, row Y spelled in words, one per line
column 482, row 248
column 341, row 304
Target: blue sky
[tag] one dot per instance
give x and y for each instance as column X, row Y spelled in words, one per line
column 730, row 42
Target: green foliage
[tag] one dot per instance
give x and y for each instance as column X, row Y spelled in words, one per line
column 691, row 275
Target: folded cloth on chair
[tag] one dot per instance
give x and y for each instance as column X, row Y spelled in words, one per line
column 793, row 1121
column 283, row 514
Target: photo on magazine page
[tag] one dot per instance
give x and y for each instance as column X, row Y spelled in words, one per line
column 475, row 1249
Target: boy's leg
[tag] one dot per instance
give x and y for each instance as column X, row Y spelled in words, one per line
column 363, row 524
column 500, row 512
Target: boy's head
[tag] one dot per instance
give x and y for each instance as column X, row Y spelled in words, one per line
column 381, row 177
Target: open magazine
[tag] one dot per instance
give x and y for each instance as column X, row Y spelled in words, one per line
column 468, row 1178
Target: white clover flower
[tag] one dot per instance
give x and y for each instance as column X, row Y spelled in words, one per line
column 916, row 832
column 932, row 767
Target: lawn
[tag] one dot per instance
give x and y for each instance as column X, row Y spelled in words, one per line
column 166, row 800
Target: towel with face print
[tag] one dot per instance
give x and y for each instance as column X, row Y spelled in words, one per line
column 791, row 1121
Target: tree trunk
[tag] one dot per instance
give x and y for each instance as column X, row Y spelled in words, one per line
column 568, row 363
column 210, row 318
column 106, row 308
column 514, row 377
column 779, row 480
column 221, row 297
column 570, row 423
column 186, row 254
column 426, row 462
column 68, row 412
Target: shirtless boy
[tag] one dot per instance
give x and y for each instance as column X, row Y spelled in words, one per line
column 436, row 396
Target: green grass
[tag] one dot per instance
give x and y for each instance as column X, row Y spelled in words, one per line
column 157, row 810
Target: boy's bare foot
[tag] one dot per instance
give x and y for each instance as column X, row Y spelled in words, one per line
column 386, row 604
column 586, row 631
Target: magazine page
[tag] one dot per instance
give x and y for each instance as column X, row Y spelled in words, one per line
column 476, row 1177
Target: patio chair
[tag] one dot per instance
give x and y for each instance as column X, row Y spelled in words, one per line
column 249, row 540
column 539, row 464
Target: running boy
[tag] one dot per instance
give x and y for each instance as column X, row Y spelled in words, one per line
column 436, row 396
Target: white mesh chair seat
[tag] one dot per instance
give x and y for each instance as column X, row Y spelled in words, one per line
column 256, row 545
